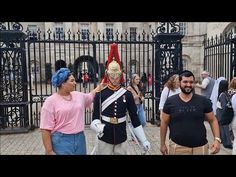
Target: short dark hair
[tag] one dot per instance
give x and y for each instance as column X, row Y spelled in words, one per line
column 185, row 73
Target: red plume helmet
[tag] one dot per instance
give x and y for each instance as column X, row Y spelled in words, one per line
column 113, row 55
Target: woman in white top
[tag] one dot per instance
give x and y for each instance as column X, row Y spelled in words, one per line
column 171, row 87
column 232, row 91
column 214, row 93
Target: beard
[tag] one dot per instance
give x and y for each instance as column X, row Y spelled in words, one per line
column 186, row 90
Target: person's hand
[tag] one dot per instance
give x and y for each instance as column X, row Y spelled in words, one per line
column 142, row 98
column 101, row 86
column 51, row 153
column 215, row 147
column 164, row 150
column 198, row 85
column 146, row 145
column 100, row 128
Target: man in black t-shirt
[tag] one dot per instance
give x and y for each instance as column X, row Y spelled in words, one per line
column 185, row 113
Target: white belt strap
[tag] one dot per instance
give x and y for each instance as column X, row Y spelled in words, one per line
column 112, row 98
column 114, row 120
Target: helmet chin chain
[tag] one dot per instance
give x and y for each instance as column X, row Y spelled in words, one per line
column 115, row 86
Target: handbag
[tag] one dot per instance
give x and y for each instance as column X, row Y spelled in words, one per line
column 227, row 112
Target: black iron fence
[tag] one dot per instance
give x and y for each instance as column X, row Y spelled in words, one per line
column 219, row 56
column 46, row 53
column 152, row 54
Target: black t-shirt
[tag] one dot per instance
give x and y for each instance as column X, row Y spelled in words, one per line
column 187, row 119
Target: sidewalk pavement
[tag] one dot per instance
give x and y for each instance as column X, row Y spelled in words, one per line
column 31, row 143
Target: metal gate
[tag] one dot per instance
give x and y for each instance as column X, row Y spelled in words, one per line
column 168, row 56
column 219, row 56
column 46, row 51
column 14, row 116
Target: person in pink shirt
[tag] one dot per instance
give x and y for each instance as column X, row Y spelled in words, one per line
column 62, row 116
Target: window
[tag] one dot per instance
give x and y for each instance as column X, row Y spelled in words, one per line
column 231, row 31
column 32, row 32
column 234, row 29
column 133, row 33
column 234, row 32
column 85, row 31
column 109, row 31
column 183, row 28
column 59, row 31
column 133, row 66
column 34, row 69
column 185, row 64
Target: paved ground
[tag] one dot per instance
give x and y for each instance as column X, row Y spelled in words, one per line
column 31, row 143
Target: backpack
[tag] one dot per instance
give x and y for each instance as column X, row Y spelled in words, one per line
column 227, row 112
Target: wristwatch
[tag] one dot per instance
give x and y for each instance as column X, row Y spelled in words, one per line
column 218, row 139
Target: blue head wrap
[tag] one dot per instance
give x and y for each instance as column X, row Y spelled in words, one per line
column 60, row 76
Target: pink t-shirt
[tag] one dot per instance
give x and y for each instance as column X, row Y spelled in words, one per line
column 65, row 116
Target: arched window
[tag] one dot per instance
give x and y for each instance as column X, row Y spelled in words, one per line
column 231, row 29
column 34, row 68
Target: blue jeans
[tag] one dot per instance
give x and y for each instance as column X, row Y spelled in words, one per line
column 69, row 144
column 141, row 114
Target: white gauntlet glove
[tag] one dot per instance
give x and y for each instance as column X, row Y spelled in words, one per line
column 98, row 127
column 138, row 131
column 146, row 146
